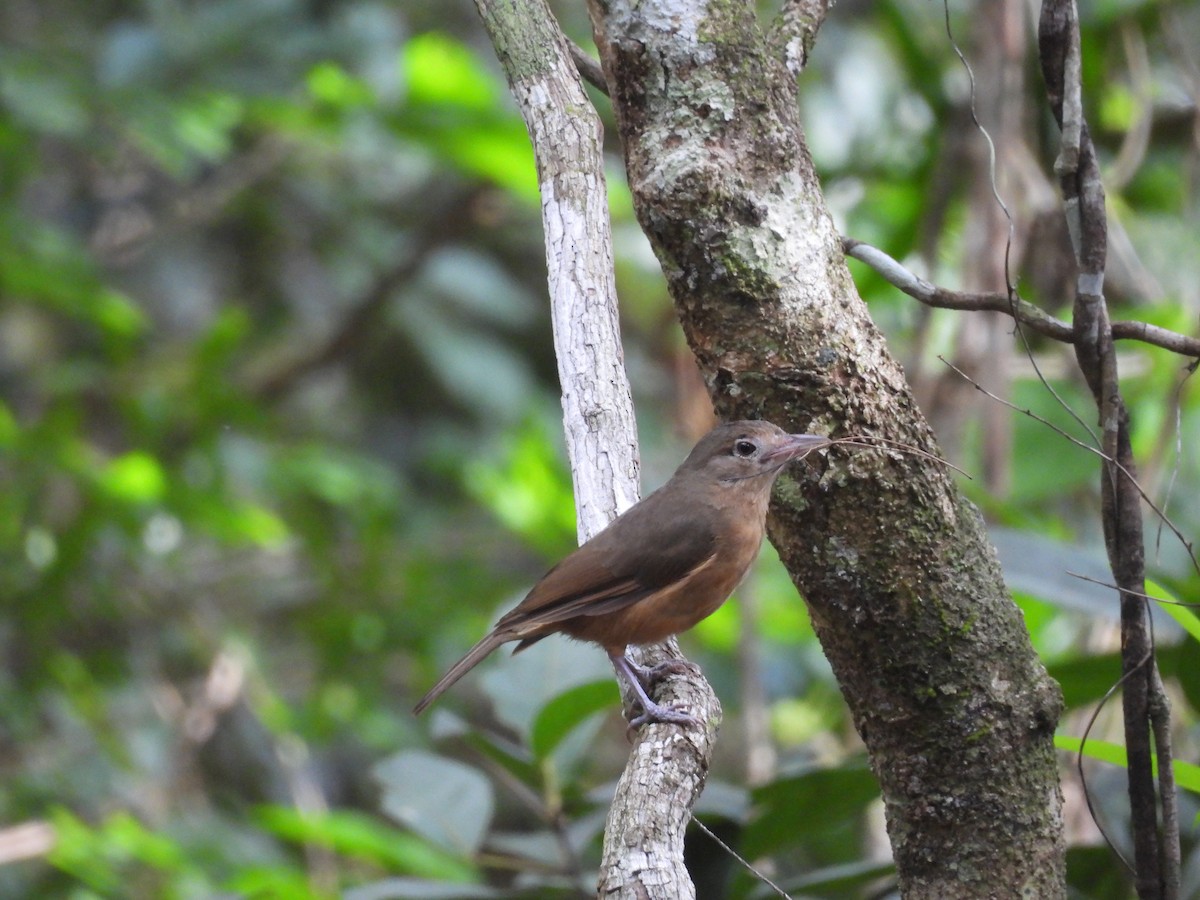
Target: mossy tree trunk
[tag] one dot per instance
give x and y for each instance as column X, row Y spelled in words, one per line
column 902, row 583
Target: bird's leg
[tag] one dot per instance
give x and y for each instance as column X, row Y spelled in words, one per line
column 649, row 676
column 634, row 675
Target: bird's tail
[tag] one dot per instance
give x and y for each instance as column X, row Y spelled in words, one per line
column 474, row 656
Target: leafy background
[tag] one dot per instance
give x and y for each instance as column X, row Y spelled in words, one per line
column 279, row 436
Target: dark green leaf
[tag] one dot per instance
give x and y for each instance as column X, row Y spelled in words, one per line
column 444, row 800
column 568, row 710
column 792, row 806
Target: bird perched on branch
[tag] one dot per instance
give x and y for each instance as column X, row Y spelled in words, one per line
column 666, row 563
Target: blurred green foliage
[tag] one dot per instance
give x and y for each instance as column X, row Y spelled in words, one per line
column 278, row 436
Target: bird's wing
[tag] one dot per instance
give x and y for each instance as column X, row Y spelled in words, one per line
column 641, row 554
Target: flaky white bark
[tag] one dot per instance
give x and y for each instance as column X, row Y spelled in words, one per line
column 566, row 133
column 643, row 851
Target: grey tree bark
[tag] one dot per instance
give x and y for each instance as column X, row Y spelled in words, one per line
column 667, row 767
column 903, row 586
column 567, row 139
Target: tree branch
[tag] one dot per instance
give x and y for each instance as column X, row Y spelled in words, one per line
column 1021, row 310
column 273, row 378
column 587, row 67
column 795, row 31
column 1156, row 853
column 643, row 851
column 566, row 135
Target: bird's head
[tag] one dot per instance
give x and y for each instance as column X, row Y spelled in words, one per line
column 738, row 451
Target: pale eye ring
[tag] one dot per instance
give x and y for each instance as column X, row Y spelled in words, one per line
column 744, row 448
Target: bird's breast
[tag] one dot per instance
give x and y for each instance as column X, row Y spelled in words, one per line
column 680, row 605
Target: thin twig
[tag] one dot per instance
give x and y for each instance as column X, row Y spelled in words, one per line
column 741, row 859
column 870, row 441
column 1008, row 283
column 1022, row 311
column 1087, row 795
column 1177, row 410
column 1184, row 542
column 1144, row 596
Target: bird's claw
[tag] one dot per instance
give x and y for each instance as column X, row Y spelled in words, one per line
column 649, row 676
column 642, row 678
column 656, row 713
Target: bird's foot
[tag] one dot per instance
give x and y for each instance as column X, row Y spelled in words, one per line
column 639, row 679
column 650, row 676
column 674, row 714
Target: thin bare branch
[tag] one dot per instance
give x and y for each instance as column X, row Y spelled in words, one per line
column 665, row 774
column 1110, row 585
column 1022, row 311
column 589, row 69
column 741, row 860
column 874, row 442
column 1087, row 794
column 1162, row 516
column 1159, row 337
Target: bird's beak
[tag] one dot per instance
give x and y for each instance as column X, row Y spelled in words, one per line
column 794, row 445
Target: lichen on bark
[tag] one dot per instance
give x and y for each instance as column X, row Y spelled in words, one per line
column 904, row 589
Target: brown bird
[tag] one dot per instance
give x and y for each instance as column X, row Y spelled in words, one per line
column 666, row 563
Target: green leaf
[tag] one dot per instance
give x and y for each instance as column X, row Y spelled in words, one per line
column 569, row 709
column 46, row 266
column 98, row 856
column 1095, row 874
column 135, row 477
column 255, row 524
column 461, row 112
column 439, row 69
column 359, row 836
column 1105, row 751
column 77, row 851
column 273, row 883
column 1118, row 107
column 528, row 488
column 10, row 431
column 129, row 837
column 1085, row 679
column 41, row 93
column 514, row 757
column 329, row 83
column 1171, row 606
column 339, row 478
column 116, row 314
column 785, row 807
column 444, row 800
column 1187, row 775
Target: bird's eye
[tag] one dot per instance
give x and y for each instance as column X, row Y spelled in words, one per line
column 744, row 448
